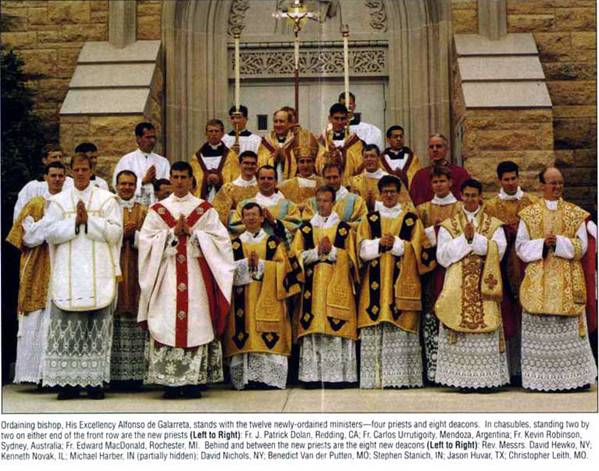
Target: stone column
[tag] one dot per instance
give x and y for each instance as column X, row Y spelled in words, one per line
column 492, row 18
column 121, row 23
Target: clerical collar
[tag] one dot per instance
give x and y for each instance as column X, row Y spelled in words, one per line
column 175, row 199
column 471, row 215
column 396, row 155
column 552, row 204
column 209, row 150
column 145, row 154
column 339, row 136
column 271, row 200
column 342, row 192
column 447, row 199
column 325, row 222
column 281, row 139
column 387, row 212
column 309, row 182
column 248, row 237
column 239, row 181
column 516, row 196
column 378, row 173
column 244, row 133
column 126, row 203
column 356, row 119
column 83, row 193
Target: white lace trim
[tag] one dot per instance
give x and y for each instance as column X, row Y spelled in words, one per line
column 31, row 343
column 389, row 357
column 472, row 361
column 127, row 360
column 265, row 368
column 554, row 356
column 78, row 349
column 328, row 359
column 172, row 366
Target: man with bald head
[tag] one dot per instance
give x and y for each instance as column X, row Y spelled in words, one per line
column 551, row 240
column 421, row 190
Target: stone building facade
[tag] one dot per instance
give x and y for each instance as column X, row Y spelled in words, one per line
column 504, row 78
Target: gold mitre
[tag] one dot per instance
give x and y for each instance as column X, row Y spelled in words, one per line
column 307, row 145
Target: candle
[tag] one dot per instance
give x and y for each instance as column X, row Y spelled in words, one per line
column 346, row 64
column 296, row 50
column 237, row 72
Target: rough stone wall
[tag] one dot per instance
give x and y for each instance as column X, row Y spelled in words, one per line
column 565, row 33
column 149, row 14
column 48, row 35
column 114, row 135
column 492, row 135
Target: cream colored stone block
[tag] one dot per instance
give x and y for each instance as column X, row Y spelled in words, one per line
column 506, row 94
column 511, row 44
column 102, row 51
column 500, row 68
column 112, row 75
column 105, row 101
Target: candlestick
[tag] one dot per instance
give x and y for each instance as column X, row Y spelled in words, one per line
column 237, row 72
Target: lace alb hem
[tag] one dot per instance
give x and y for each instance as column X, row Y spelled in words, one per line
column 389, row 357
column 78, row 348
column 170, row 366
column 470, row 360
column 327, row 359
column 265, row 368
column 554, row 356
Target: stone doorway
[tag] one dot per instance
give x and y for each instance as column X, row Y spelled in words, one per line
column 404, row 44
column 262, row 98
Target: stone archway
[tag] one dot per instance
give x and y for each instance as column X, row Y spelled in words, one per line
column 416, row 35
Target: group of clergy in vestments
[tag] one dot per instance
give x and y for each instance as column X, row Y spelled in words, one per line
column 294, row 258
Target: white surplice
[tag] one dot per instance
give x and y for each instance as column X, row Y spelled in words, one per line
column 139, row 162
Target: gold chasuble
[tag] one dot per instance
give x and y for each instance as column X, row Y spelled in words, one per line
column 554, row 285
column 258, row 322
column 350, row 208
column 35, row 261
column 432, row 214
column 128, row 298
column 229, row 196
column 406, row 174
column 287, row 216
column 349, row 155
column 285, row 164
column 472, row 291
column 227, row 170
column 299, row 189
column 390, row 289
column 328, row 298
